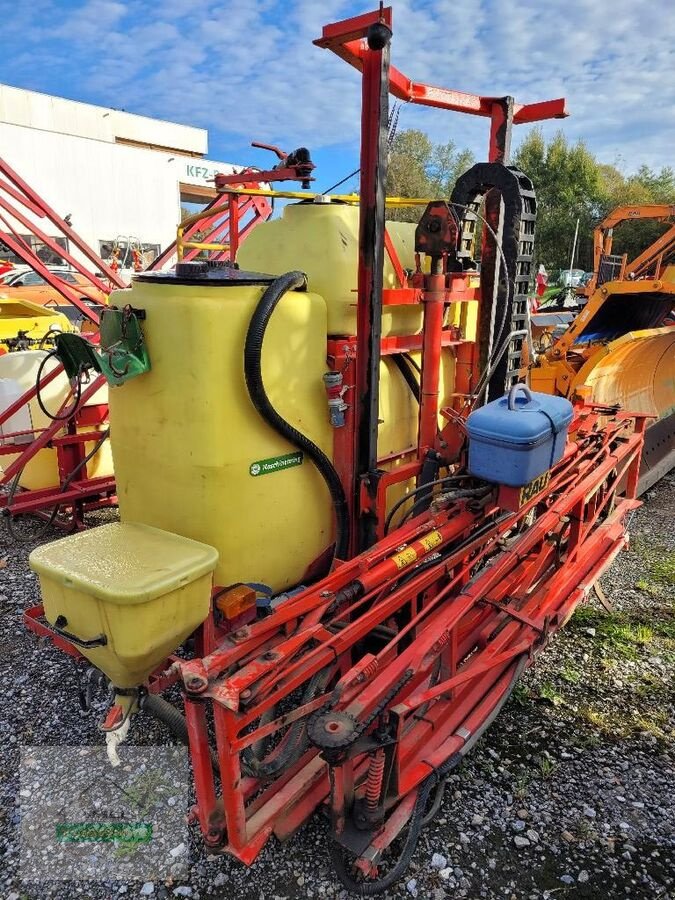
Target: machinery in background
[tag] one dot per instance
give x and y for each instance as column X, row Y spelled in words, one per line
column 58, row 464
column 217, row 232
column 370, row 526
column 619, row 349
column 55, row 460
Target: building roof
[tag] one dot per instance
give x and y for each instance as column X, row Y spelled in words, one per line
column 45, row 112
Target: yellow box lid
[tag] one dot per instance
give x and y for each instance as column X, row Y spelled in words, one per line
column 124, row 563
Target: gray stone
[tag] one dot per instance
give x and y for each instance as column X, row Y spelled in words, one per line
column 521, row 841
column 147, row 889
column 438, row 861
column 583, row 876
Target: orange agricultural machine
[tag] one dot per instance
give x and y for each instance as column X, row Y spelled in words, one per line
column 619, row 350
column 330, row 475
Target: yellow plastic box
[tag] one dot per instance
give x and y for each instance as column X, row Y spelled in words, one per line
column 127, row 595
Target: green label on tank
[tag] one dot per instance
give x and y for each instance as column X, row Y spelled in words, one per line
column 275, row 464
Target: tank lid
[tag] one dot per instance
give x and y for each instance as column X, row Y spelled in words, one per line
column 205, row 272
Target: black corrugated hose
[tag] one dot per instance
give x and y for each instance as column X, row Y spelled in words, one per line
column 256, row 389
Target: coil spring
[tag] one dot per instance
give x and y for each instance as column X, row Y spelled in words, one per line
column 374, row 780
column 369, row 670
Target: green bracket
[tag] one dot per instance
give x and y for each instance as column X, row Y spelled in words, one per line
column 122, row 354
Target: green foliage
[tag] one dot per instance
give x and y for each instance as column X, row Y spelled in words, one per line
column 419, row 168
column 568, row 187
column 570, row 183
column 547, row 767
column 548, row 692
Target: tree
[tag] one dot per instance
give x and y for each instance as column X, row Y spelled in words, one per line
column 419, row 168
column 571, row 184
column 568, row 185
column 645, row 186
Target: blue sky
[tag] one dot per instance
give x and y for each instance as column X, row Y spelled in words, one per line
column 247, row 70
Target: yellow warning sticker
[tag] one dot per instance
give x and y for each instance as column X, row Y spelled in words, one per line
column 404, row 558
column 431, row 540
column 533, row 488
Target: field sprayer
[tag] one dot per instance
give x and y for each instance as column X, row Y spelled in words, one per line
column 323, row 434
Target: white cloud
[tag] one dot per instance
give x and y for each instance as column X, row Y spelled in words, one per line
column 248, row 70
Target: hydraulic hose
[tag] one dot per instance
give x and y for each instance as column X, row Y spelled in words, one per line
column 403, row 363
column 256, row 389
column 419, row 817
column 297, row 740
column 36, row 535
column 175, row 721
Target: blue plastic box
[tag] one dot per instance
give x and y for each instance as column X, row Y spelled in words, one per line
column 517, row 438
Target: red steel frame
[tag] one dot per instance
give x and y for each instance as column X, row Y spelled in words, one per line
column 470, row 628
column 229, row 218
column 453, row 604
column 232, row 218
column 28, row 203
column 347, row 40
column 20, row 203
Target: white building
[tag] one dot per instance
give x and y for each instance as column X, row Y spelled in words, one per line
column 117, row 175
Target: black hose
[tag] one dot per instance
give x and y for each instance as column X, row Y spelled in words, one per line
column 419, row 816
column 36, row 535
column 297, row 740
column 175, row 721
column 447, row 479
column 403, row 363
column 256, row 389
column 53, row 354
column 166, row 712
column 425, row 501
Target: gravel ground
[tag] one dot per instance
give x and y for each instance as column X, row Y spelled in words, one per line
column 569, row 795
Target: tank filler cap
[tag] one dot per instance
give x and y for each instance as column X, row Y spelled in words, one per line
column 192, row 269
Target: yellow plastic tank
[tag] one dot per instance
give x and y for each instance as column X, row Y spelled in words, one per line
column 322, row 240
column 192, row 454
column 135, row 592
column 399, row 415
column 20, row 369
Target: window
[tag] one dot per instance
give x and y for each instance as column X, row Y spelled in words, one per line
column 32, row 279
column 124, row 246
column 49, row 257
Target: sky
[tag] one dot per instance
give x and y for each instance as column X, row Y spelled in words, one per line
column 247, row 70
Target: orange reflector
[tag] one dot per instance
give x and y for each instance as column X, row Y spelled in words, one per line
column 235, row 600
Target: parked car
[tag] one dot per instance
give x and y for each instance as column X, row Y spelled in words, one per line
column 29, row 285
